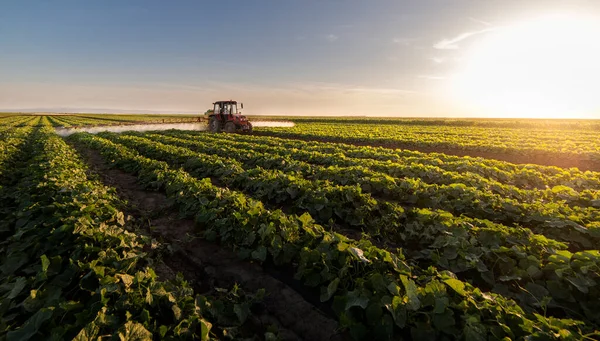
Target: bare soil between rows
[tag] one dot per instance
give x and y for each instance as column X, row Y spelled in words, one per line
column 543, row 160
column 206, row 265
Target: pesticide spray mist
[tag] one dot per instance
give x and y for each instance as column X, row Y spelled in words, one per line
column 156, row 126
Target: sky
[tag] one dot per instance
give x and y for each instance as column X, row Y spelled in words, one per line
column 353, row 57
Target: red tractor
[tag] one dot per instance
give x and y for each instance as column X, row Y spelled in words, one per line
column 225, row 117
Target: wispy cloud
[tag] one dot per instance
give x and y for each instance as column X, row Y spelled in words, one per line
column 331, row 37
column 452, row 44
column 404, row 41
column 438, row 60
column 479, row 21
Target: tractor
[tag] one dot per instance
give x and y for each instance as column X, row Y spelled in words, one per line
column 225, row 117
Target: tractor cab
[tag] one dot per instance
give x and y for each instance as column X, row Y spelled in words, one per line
column 225, row 117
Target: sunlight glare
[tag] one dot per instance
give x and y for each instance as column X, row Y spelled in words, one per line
column 543, row 68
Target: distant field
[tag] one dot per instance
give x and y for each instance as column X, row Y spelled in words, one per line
column 335, row 229
column 570, row 144
column 466, row 122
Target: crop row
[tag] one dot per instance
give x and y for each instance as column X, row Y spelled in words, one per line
column 496, row 256
column 430, row 167
column 414, row 167
column 8, row 123
column 527, row 124
column 12, row 136
column 552, row 143
column 71, row 268
column 556, row 220
column 375, row 293
column 93, row 120
column 522, row 176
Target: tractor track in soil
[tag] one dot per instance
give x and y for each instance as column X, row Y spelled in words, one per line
column 537, row 159
column 207, row 265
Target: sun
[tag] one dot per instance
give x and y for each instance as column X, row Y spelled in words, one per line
column 548, row 67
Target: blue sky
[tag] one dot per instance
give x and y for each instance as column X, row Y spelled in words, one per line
column 288, row 57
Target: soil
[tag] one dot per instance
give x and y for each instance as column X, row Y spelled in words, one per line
column 544, row 160
column 207, row 265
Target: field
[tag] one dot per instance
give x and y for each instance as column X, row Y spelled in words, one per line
column 335, row 229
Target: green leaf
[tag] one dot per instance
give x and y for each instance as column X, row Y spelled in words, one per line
column 475, row 331
column 260, row 253
column 126, row 279
column 394, row 289
column 133, row 331
column 305, row 219
column 580, row 283
column 241, row 311
column 163, row 331
column 331, row 289
column 378, row 283
column 411, row 292
column 355, row 299
column 444, row 321
column 17, row 287
column 440, row 304
column 537, row 290
column 31, row 326
column 373, row 313
column 396, row 307
column 14, row 262
column 399, row 265
column 88, row 333
column 45, row 263
column 456, row 285
column 204, row 329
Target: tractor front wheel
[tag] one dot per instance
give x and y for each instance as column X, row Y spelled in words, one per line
column 214, row 125
column 229, row 127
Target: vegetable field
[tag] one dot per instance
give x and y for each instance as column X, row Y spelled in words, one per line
column 291, row 234
column 570, row 144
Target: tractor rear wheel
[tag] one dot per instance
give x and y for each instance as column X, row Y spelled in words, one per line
column 229, row 127
column 214, row 125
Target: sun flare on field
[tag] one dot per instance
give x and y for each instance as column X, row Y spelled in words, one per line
column 547, row 67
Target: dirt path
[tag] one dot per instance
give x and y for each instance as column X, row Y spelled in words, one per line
column 542, row 160
column 206, row 265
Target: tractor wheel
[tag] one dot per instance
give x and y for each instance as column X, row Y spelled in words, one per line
column 229, row 127
column 214, row 125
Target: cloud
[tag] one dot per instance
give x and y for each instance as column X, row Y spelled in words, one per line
column 438, row 60
column 451, row 44
column 486, row 23
column 331, row 37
